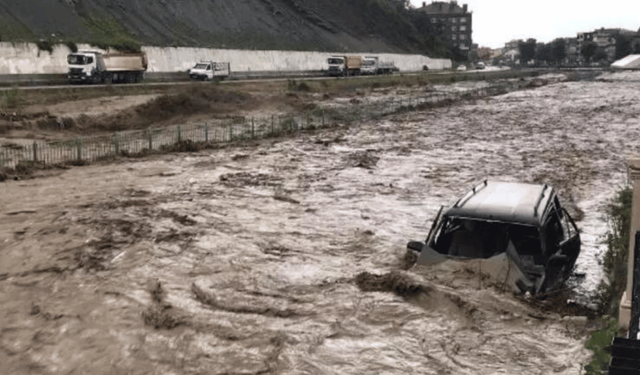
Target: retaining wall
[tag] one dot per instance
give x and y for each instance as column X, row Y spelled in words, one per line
column 25, row 58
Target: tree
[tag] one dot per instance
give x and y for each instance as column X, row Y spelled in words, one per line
column 558, row 52
column 402, row 4
column 589, row 50
column 623, row 46
column 527, row 50
column 600, row 55
column 543, row 52
column 484, row 53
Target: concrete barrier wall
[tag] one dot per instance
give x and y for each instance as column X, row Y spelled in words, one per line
column 183, row 58
column 25, row 58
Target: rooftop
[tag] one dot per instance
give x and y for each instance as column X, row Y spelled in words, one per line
column 512, row 202
column 443, row 7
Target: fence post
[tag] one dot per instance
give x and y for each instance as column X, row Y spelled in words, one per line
column 323, row 117
column 35, row 152
column 179, row 133
column 206, row 132
column 79, row 147
column 150, row 135
column 252, row 129
column 635, row 292
column 116, row 143
column 272, row 130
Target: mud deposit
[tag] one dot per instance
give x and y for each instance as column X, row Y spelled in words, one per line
column 289, row 259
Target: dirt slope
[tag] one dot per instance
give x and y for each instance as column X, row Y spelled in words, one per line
column 358, row 25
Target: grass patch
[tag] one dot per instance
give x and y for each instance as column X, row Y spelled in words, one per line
column 13, row 31
column 599, row 342
column 108, row 33
column 9, row 99
column 189, row 100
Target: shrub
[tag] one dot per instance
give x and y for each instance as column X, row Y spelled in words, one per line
column 614, row 261
column 45, row 45
column 293, row 85
column 102, row 45
column 72, row 46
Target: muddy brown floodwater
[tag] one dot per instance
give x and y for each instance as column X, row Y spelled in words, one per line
column 285, row 256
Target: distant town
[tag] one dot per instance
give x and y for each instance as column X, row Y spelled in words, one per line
column 453, row 24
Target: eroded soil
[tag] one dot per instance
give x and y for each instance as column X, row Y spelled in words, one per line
column 287, row 255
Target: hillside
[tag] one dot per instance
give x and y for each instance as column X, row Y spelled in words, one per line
column 323, row 25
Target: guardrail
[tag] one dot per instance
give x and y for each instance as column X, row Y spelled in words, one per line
column 180, row 137
column 57, row 79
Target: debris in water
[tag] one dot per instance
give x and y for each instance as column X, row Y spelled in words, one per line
column 394, row 281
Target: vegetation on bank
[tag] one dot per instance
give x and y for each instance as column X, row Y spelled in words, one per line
column 610, row 289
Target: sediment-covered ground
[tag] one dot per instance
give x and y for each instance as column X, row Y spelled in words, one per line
column 286, row 255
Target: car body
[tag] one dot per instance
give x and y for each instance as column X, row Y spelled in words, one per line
column 480, row 65
column 461, row 68
column 521, row 226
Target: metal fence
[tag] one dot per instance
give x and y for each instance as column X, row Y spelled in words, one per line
column 87, row 149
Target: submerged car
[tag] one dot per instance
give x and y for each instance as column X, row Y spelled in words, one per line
column 520, row 230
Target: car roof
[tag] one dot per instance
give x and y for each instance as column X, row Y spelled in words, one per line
column 512, row 202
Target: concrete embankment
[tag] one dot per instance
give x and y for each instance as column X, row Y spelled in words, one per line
column 26, row 58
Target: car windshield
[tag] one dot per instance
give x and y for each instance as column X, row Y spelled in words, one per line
column 200, row 66
column 336, row 61
column 77, row 60
column 483, row 239
column 368, row 63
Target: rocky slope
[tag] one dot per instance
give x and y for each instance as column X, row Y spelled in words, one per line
column 357, row 25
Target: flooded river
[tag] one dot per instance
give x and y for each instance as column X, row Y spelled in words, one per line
column 285, row 256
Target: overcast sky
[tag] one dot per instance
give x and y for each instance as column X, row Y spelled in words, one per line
column 496, row 22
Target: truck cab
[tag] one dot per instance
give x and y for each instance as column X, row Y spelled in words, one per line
column 369, row 66
column 209, row 70
column 336, row 66
column 85, row 66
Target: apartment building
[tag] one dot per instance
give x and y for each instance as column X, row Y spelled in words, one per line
column 452, row 22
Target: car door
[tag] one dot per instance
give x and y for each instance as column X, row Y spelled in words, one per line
column 562, row 246
column 570, row 245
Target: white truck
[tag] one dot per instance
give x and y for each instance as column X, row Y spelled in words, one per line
column 98, row 67
column 344, row 65
column 372, row 65
column 209, row 70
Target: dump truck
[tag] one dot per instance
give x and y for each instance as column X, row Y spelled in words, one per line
column 372, row 65
column 210, row 70
column 98, row 67
column 344, row 65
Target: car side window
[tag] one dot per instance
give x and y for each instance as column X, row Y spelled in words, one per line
column 568, row 229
